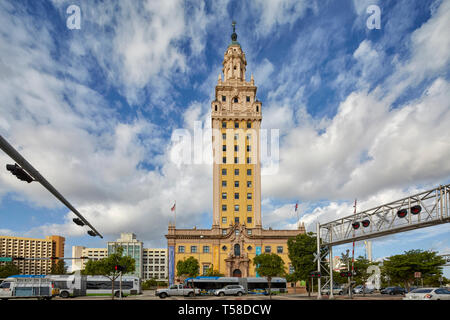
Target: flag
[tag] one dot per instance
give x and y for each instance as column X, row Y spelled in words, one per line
column 296, row 207
column 173, row 207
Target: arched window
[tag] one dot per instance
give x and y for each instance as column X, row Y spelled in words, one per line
column 257, row 108
column 237, row 250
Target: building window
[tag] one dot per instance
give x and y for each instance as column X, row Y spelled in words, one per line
column 236, row 148
column 224, row 248
column 236, row 195
column 249, row 136
column 180, row 250
column 236, row 100
column 224, row 124
column 236, row 172
column 279, row 249
column 224, row 219
column 224, row 195
column 224, row 207
column 224, row 233
column 236, row 124
column 249, row 184
column 249, row 160
column 224, row 147
column 224, row 159
column 236, row 136
column 236, row 160
column 236, row 207
column 249, row 219
column 224, row 98
column 236, row 220
column 248, row 98
column 205, row 269
column 249, row 208
column 249, row 196
column 249, row 248
column 249, row 232
column 205, row 249
column 257, row 108
column 249, row 148
column 249, row 172
column 215, row 107
column 224, row 172
column 224, row 136
column 224, row 183
column 267, row 249
column 193, row 249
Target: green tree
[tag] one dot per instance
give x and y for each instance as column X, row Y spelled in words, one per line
column 188, row 268
column 59, row 267
column 9, row 269
column 301, row 253
column 214, row 273
column 269, row 265
column 106, row 266
column 149, row 284
column 401, row 268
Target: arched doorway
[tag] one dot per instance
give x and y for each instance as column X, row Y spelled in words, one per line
column 237, row 273
column 237, row 250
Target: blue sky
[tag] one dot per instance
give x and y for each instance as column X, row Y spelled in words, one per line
column 362, row 113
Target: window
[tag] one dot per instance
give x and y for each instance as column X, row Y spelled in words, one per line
column 267, row 249
column 236, row 220
column 236, row 136
column 249, row 160
column 224, row 147
column 236, row 184
column 236, row 195
column 224, row 159
column 249, row 208
column 224, row 248
column 224, row 219
column 224, row 98
column 215, row 107
column 224, row 232
column 249, row 196
column 224, row 124
column 224, row 172
column 236, row 160
column 236, row 100
column 236, row 172
column 224, row 183
column 248, row 98
column 180, row 249
column 224, row 136
column 249, row 184
column 249, row 136
column 236, row 124
column 249, row 219
column 249, row 232
column 236, row 207
column 224, row 208
column 205, row 249
column 224, row 195
column 279, row 249
column 205, row 269
column 249, row 248
column 257, row 108
column 193, row 250
column 249, row 172
column 249, row 148
column 236, row 148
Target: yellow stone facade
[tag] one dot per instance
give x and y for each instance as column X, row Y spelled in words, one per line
column 236, row 236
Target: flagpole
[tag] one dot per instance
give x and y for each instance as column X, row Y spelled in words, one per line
column 175, row 222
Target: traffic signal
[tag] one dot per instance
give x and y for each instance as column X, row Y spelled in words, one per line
column 119, row 268
column 78, row 221
column 355, row 225
column 402, row 213
column 346, row 274
column 416, row 209
column 365, row 223
column 91, row 233
column 19, row 172
column 315, row 274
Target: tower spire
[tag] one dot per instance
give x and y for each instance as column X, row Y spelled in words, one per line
column 233, row 35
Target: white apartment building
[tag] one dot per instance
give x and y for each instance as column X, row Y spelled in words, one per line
column 91, row 253
column 155, row 264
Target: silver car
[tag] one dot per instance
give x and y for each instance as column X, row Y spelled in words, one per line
column 230, row 290
column 428, row 294
column 360, row 288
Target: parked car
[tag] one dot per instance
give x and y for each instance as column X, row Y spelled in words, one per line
column 428, row 294
column 361, row 289
column 393, row 290
column 176, row 290
column 230, row 290
column 411, row 289
column 336, row 290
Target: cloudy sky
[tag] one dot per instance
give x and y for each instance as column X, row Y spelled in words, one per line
column 362, row 113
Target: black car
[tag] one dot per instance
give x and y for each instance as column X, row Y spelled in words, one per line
column 393, row 290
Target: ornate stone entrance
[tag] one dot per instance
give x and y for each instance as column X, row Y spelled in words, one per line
column 237, row 273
